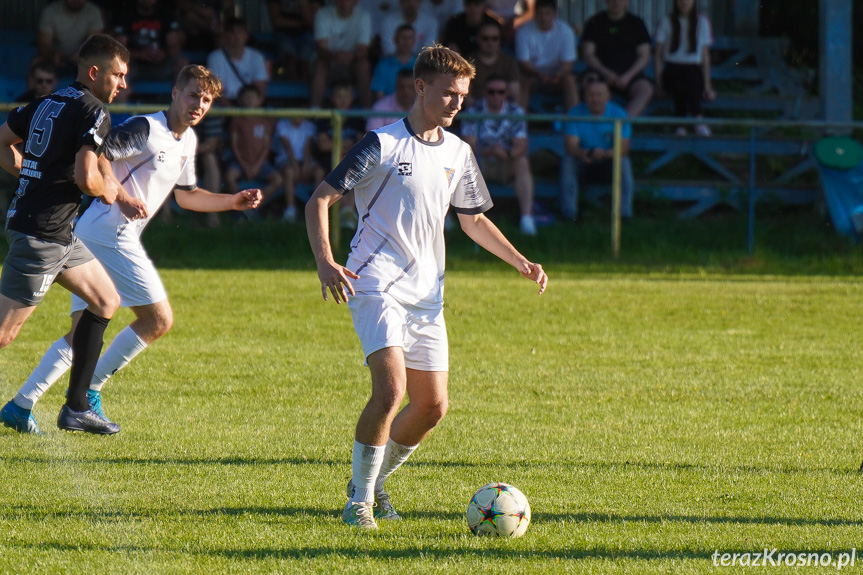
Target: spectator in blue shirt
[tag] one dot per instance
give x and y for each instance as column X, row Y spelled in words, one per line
column 590, row 149
column 388, row 67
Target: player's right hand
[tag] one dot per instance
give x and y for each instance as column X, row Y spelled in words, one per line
column 335, row 279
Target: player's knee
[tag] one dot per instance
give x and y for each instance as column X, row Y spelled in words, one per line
column 388, row 400
column 105, row 304
column 433, row 413
column 6, row 338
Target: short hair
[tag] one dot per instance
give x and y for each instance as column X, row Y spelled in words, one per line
column 205, row 78
column 43, row 65
column 474, row 2
column 234, row 22
column 101, row 49
column 438, row 60
column 492, row 23
column 247, row 88
column 496, row 78
column 545, row 4
column 403, row 28
column 404, row 73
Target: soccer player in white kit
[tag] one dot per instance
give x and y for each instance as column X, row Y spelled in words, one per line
column 405, row 177
column 151, row 155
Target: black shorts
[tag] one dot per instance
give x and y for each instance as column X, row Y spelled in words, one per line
column 32, row 265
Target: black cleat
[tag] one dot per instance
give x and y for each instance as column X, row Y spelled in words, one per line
column 87, row 421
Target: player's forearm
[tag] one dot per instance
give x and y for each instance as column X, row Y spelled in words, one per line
column 318, row 228
column 481, row 230
column 201, row 200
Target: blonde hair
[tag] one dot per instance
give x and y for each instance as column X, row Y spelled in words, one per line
column 439, row 60
column 205, row 78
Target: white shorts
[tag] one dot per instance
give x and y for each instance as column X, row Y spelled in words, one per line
column 132, row 272
column 380, row 321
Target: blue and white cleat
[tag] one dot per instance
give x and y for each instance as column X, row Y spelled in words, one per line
column 19, row 419
column 94, row 398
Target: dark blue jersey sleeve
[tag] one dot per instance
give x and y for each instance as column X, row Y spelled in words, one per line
column 128, row 139
column 19, row 121
column 357, row 163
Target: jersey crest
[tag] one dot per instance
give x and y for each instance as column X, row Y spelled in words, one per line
column 449, row 174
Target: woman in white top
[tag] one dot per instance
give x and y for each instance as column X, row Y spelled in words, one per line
column 682, row 61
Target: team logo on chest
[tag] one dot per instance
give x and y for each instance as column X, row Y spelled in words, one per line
column 160, row 157
column 449, row 174
column 405, row 169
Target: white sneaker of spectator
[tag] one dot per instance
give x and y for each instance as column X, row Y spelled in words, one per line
column 703, row 130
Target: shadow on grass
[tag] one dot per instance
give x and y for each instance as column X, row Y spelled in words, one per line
column 94, row 515
column 852, row 471
column 452, row 547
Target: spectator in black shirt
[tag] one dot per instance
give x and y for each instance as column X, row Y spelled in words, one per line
column 64, row 135
column 153, row 37
column 41, row 81
column 462, row 29
column 616, row 44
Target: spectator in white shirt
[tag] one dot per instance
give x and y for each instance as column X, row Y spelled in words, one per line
column 343, row 33
column 236, row 64
column 421, row 20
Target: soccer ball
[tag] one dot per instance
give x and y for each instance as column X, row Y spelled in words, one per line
column 498, row 510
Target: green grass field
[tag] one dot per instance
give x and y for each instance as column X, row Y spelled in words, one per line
column 654, row 410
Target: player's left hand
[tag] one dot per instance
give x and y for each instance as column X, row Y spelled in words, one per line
column 248, row 199
column 534, row 272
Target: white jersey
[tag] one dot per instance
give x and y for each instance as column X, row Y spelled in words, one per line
column 403, row 187
column 149, row 162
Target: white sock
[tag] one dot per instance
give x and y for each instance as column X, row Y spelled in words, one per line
column 56, row 361
column 365, row 465
column 395, row 455
column 122, row 350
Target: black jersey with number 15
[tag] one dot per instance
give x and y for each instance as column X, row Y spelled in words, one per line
column 54, row 128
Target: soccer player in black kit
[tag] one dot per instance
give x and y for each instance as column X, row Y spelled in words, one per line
column 63, row 135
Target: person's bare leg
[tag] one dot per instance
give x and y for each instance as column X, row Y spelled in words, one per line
column 640, row 92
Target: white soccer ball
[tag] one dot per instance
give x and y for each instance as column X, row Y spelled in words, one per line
column 498, row 510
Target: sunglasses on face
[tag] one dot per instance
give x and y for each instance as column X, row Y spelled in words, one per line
column 495, row 91
column 489, row 38
column 44, row 80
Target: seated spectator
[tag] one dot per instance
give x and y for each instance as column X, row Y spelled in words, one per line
column 443, row 10
column 461, row 31
column 211, row 138
column 154, row 40
column 236, row 64
column 63, row 27
column 342, row 36
column 500, row 146
column 590, row 149
column 250, row 148
column 513, row 14
column 410, row 13
column 616, row 45
column 386, row 70
column 353, row 129
column 293, row 25
column 545, row 49
column 201, row 23
column 41, row 81
column 682, row 61
column 399, row 101
column 490, row 60
column 294, row 159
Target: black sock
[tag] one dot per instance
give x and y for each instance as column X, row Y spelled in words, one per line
column 87, row 342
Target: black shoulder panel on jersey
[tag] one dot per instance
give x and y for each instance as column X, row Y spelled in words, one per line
column 128, row 139
column 359, row 161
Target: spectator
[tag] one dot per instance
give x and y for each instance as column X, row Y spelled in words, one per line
column 491, row 60
column 63, row 27
column 501, row 146
column 461, row 31
column 342, row 36
column 236, row 64
column 41, row 81
column 616, row 45
column 682, row 61
column 294, row 159
column 422, row 21
column 443, row 10
column 513, row 14
column 399, row 101
column 545, row 49
column 590, row 149
column 154, row 39
column 384, row 78
column 208, row 159
column 250, row 147
column 293, row 25
column 201, row 23
column 353, row 129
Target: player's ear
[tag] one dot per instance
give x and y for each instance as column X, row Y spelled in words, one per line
column 174, row 91
column 419, row 86
column 93, row 72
